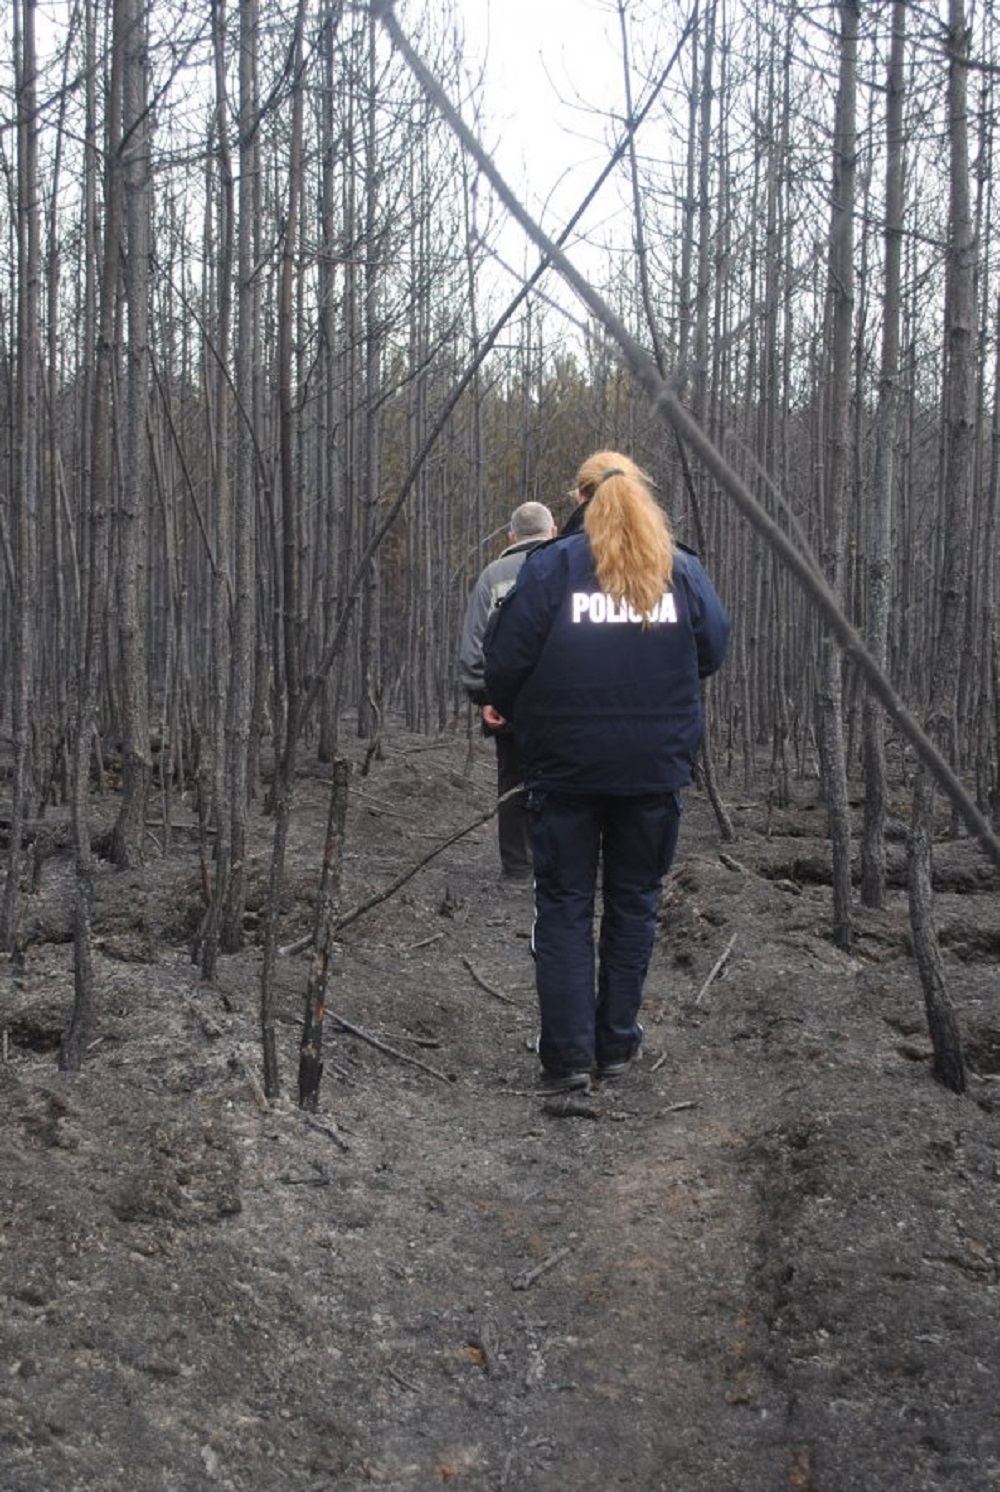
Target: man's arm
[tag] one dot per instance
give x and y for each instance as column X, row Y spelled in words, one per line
column 470, row 655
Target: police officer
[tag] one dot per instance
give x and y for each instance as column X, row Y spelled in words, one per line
column 595, row 656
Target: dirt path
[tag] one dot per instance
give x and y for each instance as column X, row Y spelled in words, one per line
column 766, row 1260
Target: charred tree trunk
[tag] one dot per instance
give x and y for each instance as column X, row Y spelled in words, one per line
column 133, row 506
column 241, row 680
column 26, row 474
column 954, row 509
column 880, row 509
column 98, row 503
column 291, row 543
column 841, row 313
column 327, row 906
column 222, row 530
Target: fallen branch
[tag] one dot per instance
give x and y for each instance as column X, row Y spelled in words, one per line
column 484, row 984
column 205, row 1021
column 424, row 1041
column 326, row 1129
column 256, row 1088
column 301, row 944
column 320, row 1179
column 717, row 968
column 527, row 1279
column 403, row 1382
column 389, row 1050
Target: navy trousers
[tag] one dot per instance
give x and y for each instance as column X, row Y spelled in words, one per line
column 633, row 840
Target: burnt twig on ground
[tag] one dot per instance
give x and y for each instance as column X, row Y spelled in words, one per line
column 389, row 1051
column 484, row 984
column 717, row 968
column 527, row 1278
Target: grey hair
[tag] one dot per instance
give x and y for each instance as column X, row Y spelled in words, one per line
column 531, row 521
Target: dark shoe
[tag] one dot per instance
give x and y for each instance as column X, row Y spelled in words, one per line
column 563, row 1082
column 620, row 1065
column 616, row 1069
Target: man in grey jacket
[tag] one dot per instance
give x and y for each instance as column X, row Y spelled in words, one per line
column 530, row 525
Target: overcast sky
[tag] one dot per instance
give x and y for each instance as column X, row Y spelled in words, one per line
column 540, row 58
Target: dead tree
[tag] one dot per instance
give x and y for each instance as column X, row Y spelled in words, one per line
column 833, row 471
column 327, row 906
column 26, row 474
column 132, row 508
column 954, row 509
column 291, row 544
column 222, row 515
column 96, row 569
column 879, row 515
column 240, row 715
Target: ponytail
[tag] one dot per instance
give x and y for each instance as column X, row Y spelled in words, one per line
column 628, row 532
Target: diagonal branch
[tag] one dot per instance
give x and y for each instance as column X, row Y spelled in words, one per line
column 662, row 394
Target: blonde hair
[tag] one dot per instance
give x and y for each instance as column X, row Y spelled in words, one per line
column 628, row 531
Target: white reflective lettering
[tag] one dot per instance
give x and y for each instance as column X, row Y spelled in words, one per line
column 601, row 608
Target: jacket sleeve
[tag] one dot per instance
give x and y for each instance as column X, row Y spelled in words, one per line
column 519, row 626
column 470, row 655
column 708, row 617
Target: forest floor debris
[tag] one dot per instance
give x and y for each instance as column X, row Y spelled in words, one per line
column 769, row 1258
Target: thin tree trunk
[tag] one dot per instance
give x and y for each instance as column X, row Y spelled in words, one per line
column 26, row 474
column 133, row 507
column 222, row 524
column 291, row 544
column 241, row 684
column 92, row 632
column 369, row 640
column 955, row 504
column 64, row 563
column 987, row 765
column 327, row 907
column 841, row 312
column 880, row 509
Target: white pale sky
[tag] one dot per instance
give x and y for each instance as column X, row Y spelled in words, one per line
column 540, row 59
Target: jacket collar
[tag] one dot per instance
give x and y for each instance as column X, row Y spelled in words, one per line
column 574, row 523
column 523, row 545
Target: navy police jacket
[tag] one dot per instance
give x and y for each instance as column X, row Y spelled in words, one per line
column 599, row 703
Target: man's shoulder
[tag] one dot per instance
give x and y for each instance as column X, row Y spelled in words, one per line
column 504, row 564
